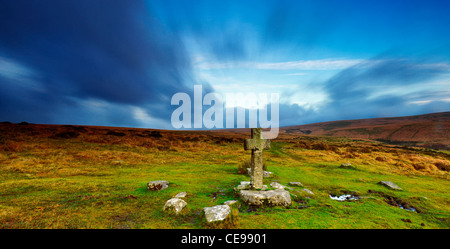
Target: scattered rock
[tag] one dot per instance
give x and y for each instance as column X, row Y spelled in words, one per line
column 390, row 185
column 407, row 220
column 243, row 185
column 347, row 166
column 276, row 185
column 157, row 185
column 271, row 198
column 267, row 174
column 180, row 195
column 216, row 213
column 230, row 202
column 297, row 184
column 308, row 191
column 174, row 205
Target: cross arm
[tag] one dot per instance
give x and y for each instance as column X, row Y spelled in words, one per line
column 256, row 144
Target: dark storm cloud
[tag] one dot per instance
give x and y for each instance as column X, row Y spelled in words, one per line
column 107, row 50
column 379, row 87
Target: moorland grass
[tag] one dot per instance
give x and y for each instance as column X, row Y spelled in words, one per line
column 96, row 180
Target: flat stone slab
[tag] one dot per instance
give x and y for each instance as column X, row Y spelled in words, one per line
column 216, row 213
column 157, row 185
column 174, row 205
column 390, row 185
column 277, row 197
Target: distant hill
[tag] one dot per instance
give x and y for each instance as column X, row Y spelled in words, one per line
column 430, row 130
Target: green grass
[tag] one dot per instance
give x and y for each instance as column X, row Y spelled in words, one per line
column 72, row 184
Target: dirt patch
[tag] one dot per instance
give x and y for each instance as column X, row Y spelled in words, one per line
column 396, row 201
column 114, row 133
column 67, row 135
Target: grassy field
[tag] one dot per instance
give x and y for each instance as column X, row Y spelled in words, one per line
column 95, row 177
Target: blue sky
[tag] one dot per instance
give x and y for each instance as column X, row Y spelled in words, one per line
column 118, row 63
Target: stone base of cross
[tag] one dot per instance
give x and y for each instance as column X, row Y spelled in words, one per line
column 257, row 144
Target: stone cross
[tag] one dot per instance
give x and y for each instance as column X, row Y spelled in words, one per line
column 257, row 144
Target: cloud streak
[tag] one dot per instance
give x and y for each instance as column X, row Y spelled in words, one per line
column 79, row 51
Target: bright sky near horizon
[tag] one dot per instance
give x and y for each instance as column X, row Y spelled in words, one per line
column 117, row 63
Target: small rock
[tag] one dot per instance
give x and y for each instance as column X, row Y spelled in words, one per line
column 267, row 174
column 243, row 185
column 246, row 186
column 216, row 213
column 180, row 195
column 347, row 166
column 297, row 184
column 157, row 185
column 308, row 191
column 174, row 205
column 390, row 185
column 276, row 185
column 230, row 202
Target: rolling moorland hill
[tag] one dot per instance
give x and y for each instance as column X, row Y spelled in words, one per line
column 428, row 130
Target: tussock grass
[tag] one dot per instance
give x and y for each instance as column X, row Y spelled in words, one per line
column 95, row 177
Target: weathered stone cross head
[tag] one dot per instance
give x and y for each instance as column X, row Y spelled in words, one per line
column 257, row 144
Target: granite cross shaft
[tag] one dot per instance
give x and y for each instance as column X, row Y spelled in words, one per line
column 257, row 144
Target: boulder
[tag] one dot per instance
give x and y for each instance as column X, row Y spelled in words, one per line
column 157, row 185
column 216, row 213
column 174, row 205
column 277, row 197
column 297, row 184
column 390, row 185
